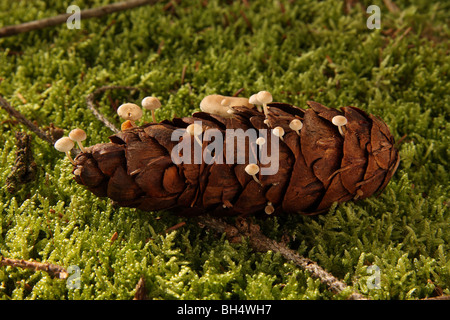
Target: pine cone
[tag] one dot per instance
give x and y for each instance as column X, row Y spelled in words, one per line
column 317, row 165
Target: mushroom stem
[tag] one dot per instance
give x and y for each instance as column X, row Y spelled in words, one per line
column 265, row 97
column 81, row 146
column 70, row 158
column 153, row 115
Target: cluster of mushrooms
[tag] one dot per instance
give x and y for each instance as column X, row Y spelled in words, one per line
column 214, row 104
column 130, row 112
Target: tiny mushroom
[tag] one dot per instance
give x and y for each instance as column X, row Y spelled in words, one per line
column 226, row 104
column 195, row 130
column 130, row 112
column 254, row 100
column 78, row 135
column 359, row 193
column 340, row 122
column 296, row 125
column 264, row 97
column 151, row 103
column 269, row 209
column 213, row 104
column 279, row 132
column 65, row 144
column 252, row 169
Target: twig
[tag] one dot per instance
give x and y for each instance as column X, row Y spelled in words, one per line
column 52, row 269
column 262, row 243
column 62, row 18
column 90, row 103
column 238, row 92
column 16, row 114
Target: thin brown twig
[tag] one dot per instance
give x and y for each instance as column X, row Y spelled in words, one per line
column 260, row 242
column 52, row 269
column 62, row 18
column 21, row 118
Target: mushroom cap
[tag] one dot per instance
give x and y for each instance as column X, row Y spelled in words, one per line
column 264, row 97
column 130, row 111
column 252, row 169
column 225, row 102
column 64, row 144
column 296, row 124
column 260, row 141
column 269, row 209
column 151, row 103
column 194, row 129
column 254, row 99
column 213, row 104
column 278, row 131
column 339, row 121
column 77, row 135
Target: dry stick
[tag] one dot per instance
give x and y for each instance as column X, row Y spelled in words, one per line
column 16, row 114
column 262, row 243
column 62, row 18
column 90, row 103
column 52, row 269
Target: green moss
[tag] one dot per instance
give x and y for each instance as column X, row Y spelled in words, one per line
column 308, row 51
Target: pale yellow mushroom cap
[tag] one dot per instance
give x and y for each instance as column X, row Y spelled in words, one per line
column 151, row 103
column 296, row 124
column 252, row 169
column 77, row 135
column 254, row 99
column 130, row 111
column 65, row 144
column 225, row 102
column 278, row 131
column 264, row 97
column 339, row 121
column 194, row 129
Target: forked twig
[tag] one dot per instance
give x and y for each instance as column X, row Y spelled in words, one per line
column 21, row 118
column 62, row 18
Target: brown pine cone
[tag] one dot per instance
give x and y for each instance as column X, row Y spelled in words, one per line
column 317, row 165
